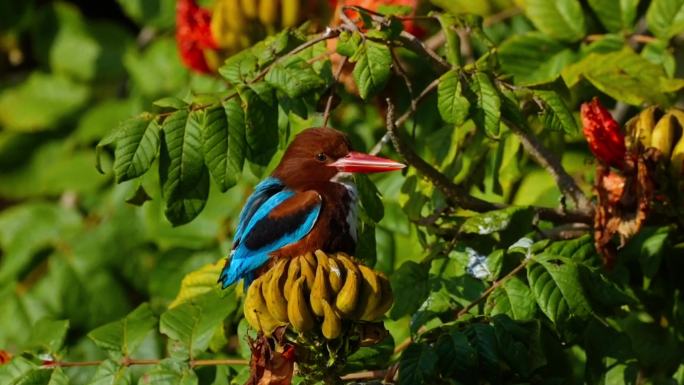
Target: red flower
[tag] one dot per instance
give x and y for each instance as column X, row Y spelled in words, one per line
column 603, row 134
column 193, row 35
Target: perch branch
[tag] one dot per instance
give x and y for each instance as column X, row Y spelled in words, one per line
column 553, row 165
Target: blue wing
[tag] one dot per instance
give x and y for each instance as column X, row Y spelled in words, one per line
column 264, row 190
column 283, row 218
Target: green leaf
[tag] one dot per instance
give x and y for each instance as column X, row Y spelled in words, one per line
column 136, row 147
column 417, row 365
column 184, row 178
column 410, row 283
column 560, row 19
column 28, row 228
column 457, row 357
column 47, row 335
column 193, row 323
column 295, row 78
column 125, row 335
column 155, row 13
column 111, row 373
column 13, row 372
column 170, row 372
column 41, row 102
column 239, row 68
column 199, row 282
column 483, row 338
column 261, row 122
column 615, row 15
column 659, row 52
column 491, row 221
column 170, row 102
column 665, row 18
column 453, row 42
column 487, row 110
column 215, row 142
column 156, row 71
column 372, row 68
column 80, row 49
column 557, row 112
column 237, row 141
column 453, row 106
column 348, row 43
column 625, row 76
column 370, row 197
column 514, row 299
column 534, row 58
column 557, row 289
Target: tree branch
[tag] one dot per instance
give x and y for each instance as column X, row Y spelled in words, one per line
column 132, row 361
column 548, row 160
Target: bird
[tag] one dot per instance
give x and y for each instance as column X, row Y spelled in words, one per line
column 308, row 203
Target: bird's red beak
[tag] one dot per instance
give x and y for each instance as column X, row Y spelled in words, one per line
column 365, row 163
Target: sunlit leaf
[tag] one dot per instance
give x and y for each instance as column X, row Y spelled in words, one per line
column 136, row 147
column 561, row 19
column 372, row 68
column 125, row 335
column 453, row 106
column 184, row 178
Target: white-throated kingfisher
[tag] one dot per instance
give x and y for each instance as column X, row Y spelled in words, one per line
column 306, row 204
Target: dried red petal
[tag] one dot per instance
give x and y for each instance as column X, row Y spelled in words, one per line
column 603, row 134
column 193, row 35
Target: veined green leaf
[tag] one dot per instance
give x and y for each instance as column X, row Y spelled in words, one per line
column 514, row 299
column 370, row 197
column 47, row 335
column 557, row 289
column 534, row 58
column 198, row 282
column 487, row 111
column 372, row 69
column 295, row 78
column 215, row 143
column 170, row 102
column 237, row 142
column 170, row 372
column 417, row 365
column 615, row 15
column 184, row 178
column 559, row 115
column 14, row 371
column 625, row 76
column 194, row 322
column 136, row 147
column 111, row 373
column 261, row 122
column 453, row 106
column 239, row 68
column 560, row 19
column 124, row 336
column 410, row 283
column 665, row 18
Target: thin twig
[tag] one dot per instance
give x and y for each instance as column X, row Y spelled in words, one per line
column 407, row 342
column 405, row 116
column 402, row 73
column 364, row 375
column 328, row 103
column 552, row 164
column 133, row 361
column 490, row 289
column 329, row 33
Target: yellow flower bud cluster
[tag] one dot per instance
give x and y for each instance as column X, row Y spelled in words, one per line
column 317, row 291
column 662, row 131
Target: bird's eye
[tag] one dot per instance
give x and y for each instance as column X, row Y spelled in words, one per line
column 321, row 157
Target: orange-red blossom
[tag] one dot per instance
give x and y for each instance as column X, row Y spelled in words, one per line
column 603, row 134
